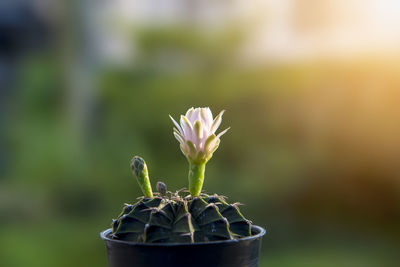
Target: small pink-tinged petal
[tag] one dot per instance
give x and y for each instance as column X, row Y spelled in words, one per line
column 204, row 118
column 178, row 132
column 176, row 124
column 223, row 132
column 209, row 118
column 195, row 115
column 192, row 148
column 186, row 127
column 184, row 149
column 217, row 122
column 189, row 113
column 215, row 147
column 210, row 142
column 206, row 134
column 209, row 114
column 198, row 130
column 179, row 138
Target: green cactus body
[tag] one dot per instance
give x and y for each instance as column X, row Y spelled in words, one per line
column 175, row 219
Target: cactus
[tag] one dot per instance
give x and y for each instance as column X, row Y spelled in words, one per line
column 173, row 218
column 184, row 216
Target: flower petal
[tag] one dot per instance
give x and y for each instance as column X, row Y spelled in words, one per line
column 217, row 122
column 204, row 117
column 185, row 149
column 198, row 130
column 209, row 142
column 176, row 124
column 209, row 117
column 195, row 115
column 179, row 138
column 215, row 147
column 192, row 148
column 189, row 113
column 186, row 127
column 176, row 131
column 223, row 132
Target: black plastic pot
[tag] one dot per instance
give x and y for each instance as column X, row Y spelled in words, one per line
column 228, row 253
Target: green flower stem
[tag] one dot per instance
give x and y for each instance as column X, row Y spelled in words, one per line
column 196, row 178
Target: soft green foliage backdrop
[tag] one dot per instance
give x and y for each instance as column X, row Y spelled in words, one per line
column 312, row 152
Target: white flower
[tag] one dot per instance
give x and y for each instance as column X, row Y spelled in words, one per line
column 196, row 134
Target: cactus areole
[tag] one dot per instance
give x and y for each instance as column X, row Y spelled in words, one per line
column 183, row 216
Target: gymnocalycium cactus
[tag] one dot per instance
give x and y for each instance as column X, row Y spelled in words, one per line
column 183, row 216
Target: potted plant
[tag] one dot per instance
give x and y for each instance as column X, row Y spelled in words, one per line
column 186, row 227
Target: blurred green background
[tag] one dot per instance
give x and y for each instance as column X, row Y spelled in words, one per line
column 313, row 151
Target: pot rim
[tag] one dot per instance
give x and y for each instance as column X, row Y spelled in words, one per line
column 260, row 233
